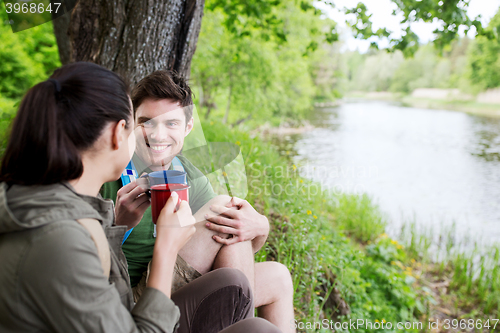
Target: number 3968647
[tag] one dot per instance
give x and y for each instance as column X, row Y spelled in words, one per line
column 31, row 8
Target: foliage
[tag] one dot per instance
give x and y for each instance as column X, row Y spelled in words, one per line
column 26, row 57
column 452, row 14
column 470, row 65
column 391, row 284
column 243, row 18
column 358, row 217
column 383, row 71
column 471, row 267
column 17, row 69
column 251, row 77
column 327, row 71
column 363, row 26
column 7, row 107
column 483, row 57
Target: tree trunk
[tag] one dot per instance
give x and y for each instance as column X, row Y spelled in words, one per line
column 135, row 38
column 228, row 106
column 241, row 121
column 61, row 25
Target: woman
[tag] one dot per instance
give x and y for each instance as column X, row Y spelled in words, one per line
column 73, row 133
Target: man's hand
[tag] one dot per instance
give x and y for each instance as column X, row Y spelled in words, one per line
column 240, row 219
column 131, row 203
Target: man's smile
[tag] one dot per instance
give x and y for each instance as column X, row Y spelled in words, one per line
column 159, row 148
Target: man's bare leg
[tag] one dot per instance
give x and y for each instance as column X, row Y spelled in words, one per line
column 270, row 281
column 201, row 250
column 239, row 256
column 274, row 294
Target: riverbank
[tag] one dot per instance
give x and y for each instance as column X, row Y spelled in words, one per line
column 467, row 106
column 313, row 234
column 344, row 266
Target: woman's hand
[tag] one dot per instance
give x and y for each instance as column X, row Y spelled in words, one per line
column 173, row 230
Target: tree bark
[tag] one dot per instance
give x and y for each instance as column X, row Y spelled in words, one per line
column 228, row 106
column 135, row 38
column 61, row 25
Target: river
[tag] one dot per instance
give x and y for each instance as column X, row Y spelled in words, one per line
column 435, row 167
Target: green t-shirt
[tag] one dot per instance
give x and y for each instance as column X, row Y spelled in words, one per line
column 138, row 247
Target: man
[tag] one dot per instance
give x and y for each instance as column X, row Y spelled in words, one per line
column 228, row 230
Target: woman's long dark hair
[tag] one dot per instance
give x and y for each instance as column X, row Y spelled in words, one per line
column 58, row 119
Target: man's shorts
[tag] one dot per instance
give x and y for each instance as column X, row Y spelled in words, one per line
column 183, row 274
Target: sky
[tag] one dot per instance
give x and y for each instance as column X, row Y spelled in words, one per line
column 382, row 10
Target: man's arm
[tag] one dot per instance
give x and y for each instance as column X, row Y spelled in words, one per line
column 244, row 223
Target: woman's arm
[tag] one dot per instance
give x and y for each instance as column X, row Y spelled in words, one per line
column 61, row 280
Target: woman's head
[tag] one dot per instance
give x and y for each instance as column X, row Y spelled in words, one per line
column 61, row 118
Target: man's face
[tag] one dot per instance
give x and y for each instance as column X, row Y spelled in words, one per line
column 160, row 131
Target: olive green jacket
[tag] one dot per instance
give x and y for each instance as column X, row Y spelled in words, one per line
column 51, row 278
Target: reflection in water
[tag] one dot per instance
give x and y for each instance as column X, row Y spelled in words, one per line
column 487, row 143
column 442, row 167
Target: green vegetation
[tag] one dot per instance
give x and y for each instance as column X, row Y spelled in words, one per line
column 26, row 58
column 470, row 65
column 382, row 71
column 483, row 57
column 247, row 75
column 472, row 269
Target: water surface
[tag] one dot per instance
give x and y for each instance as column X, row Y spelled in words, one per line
column 437, row 167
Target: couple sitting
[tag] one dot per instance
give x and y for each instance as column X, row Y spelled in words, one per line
column 72, row 134
column 162, row 104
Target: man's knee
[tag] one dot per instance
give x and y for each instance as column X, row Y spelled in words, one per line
column 262, row 326
column 252, row 325
column 233, row 277
column 283, row 276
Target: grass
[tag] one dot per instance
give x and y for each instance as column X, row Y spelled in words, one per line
column 471, row 268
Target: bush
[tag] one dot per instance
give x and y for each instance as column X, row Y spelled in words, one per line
column 26, row 57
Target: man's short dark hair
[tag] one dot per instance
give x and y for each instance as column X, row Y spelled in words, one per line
column 164, row 84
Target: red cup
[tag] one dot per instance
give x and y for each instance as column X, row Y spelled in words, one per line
column 161, row 193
